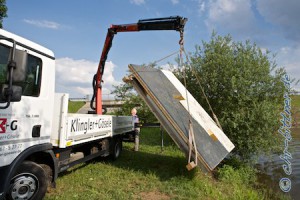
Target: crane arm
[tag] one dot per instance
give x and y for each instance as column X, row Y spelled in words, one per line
column 176, row 23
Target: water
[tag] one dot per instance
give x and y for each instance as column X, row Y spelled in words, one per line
column 273, row 171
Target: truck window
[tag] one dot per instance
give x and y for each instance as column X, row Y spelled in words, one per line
column 31, row 86
column 4, row 54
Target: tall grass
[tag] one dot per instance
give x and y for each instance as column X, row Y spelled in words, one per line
column 155, row 174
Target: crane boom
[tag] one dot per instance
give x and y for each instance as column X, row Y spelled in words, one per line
column 176, row 23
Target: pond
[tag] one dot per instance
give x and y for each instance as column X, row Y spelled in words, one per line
column 273, row 171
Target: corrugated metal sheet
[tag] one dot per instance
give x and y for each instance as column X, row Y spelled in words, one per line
column 167, row 98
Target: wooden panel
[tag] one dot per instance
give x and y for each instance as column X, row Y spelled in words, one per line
column 166, row 97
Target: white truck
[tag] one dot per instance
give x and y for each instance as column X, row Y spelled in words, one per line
column 38, row 138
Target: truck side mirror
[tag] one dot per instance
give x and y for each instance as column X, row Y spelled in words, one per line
column 20, row 71
column 16, row 93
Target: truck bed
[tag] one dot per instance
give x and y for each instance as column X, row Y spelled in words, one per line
column 72, row 129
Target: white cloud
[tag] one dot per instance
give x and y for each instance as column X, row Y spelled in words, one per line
column 284, row 14
column 75, row 76
column 137, row 2
column 230, row 15
column 43, row 23
column 175, row 2
column 201, row 6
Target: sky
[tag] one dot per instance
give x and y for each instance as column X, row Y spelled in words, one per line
column 75, row 31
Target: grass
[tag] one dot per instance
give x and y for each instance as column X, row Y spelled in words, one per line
column 296, row 109
column 74, row 106
column 296, row 102
column 153, row 174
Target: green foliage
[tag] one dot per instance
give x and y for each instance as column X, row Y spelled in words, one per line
column 122, row 91
column 245, row 175
column 3, row 11
column 125, row 92
column 74, row 106
column 244, row 88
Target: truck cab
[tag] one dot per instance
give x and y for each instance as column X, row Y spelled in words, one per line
column 27, row 122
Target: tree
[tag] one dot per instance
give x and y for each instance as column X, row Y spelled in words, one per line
column 126, row 93
column 3, row 11
column 244, row 88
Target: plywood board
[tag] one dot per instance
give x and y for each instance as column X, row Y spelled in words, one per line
column 169, row 101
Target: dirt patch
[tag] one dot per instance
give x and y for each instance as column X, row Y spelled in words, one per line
column 152, row 196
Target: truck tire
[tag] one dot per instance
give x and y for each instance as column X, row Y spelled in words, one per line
column 116, row 148
column 49, row 174
column 29, row 182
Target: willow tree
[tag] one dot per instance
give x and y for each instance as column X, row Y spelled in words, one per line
column 244, row 87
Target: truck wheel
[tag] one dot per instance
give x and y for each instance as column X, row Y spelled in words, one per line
column 116, row 148
column 29, row 182
column 49, row 174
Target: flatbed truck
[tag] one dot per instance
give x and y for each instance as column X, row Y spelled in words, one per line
column 38, row 137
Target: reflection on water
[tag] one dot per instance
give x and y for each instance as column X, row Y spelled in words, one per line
column 272, row 167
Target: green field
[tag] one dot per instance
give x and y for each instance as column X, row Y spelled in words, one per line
column 74, row 106
column 152, row 174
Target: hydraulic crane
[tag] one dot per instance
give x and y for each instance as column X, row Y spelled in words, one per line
column 176, row 23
